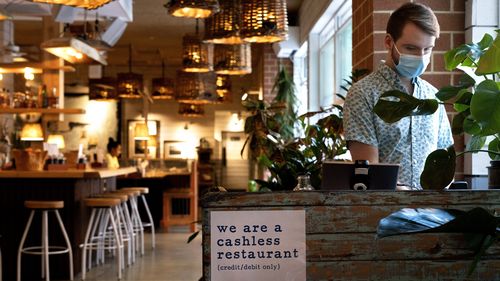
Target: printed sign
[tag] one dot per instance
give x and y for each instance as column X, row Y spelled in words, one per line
column 258, row 245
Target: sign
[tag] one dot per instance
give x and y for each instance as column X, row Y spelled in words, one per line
column 258, row 245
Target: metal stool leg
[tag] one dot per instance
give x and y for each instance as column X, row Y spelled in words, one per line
column 85, row 244
column 23, row 239
column 68, row 244
column 151, row 222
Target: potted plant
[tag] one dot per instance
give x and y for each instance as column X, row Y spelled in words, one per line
column 476, row 98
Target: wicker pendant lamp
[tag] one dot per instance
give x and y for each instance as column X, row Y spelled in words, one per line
column 191, row 110
column 103, row 89
column 233, row 59
column 195, row 88
column 86, row 4
column 224, row 27
column 130, row 84
column 163, row 88
column 223, row 84
column 264, row 21
column 198, row 55
column 192, row 8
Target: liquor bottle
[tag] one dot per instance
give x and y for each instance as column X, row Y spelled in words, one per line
column 53, row 99
column 44, row 98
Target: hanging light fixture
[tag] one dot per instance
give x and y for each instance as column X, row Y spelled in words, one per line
column 191, row 110
column 129, row 84
column 57, row 139
column 192, row 8
column 224, row 27
column 103, row 89
column 195, row 88
column 32, row 132
column 264, row 21
column 141, row 131
column 86, row 4
column 163, row 88
column 223, row 84
column 198, row 55
column 233, row 59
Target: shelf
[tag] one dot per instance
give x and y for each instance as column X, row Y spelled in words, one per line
column 42, row 110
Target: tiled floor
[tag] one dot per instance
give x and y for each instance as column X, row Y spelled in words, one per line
column 171, row 260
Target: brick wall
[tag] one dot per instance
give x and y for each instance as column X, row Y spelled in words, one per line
column 369, row 24
column 270, row 69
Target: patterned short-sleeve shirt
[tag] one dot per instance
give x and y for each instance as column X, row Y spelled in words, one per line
column 407, row 142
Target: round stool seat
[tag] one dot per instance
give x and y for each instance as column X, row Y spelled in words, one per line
column 44, row 204
column 142, row 190
column 122, row 197
column 129, row 192
column 102, row 202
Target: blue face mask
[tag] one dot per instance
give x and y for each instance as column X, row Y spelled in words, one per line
column 412, row 66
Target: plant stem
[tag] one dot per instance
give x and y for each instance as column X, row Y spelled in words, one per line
column 478, row 150
column 475, row 64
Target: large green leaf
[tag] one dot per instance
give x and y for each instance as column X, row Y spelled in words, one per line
column 485, row 106
column 449, row 92
column 395, row 105
column 476, row 142
column 439, row 169
column 490, row 61
column 494, row 145
column 463, row 53
column 457, row 125
column 471, row 126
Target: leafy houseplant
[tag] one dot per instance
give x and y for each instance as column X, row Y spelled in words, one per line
column 476, row 98
column 271, row 136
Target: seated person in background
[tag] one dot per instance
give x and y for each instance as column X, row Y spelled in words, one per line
column 114, row 150
column 411, row 34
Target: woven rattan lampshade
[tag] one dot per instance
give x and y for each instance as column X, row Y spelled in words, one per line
column 223, row 84
column 192, row 8
column 233, row 59
column 264, row 21
column 197, row 56
column 86, row 4
column 130, row 84
column 224, row 27
column 191, row 110
column 103, row 89
column 195, row 88
column 163, row 88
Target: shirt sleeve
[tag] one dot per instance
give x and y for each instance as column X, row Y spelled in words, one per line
column 445, row 138
column 358, row 118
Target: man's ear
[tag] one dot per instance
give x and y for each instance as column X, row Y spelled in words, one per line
column 388, row 41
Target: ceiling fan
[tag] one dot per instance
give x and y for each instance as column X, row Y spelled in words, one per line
column 12, row 50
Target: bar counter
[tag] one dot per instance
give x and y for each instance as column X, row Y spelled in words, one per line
column 70, row 186
column 341, row 241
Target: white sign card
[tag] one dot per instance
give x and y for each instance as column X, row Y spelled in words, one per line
column 258, row 245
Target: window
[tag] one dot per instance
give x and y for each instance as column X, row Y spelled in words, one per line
column 300, row 73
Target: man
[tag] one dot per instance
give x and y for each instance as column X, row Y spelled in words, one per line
column 411, row 34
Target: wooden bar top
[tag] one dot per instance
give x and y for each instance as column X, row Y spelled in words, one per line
column 72, row 173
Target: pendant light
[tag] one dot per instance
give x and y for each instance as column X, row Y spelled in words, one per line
column 192, row 8
column 264, row 21
column 195, row 88
column 223, row 84
column 129, row 84
column 86, row 4
column 198, row 55
column 103, row 89
column 32, row 132
column 233, row 59
column 163, row 88
column 224, row 27
column 141, row 131
column 191, row 110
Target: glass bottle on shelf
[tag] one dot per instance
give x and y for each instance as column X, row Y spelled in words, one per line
column 44, row 101
column 53, row 99
column 303, row 183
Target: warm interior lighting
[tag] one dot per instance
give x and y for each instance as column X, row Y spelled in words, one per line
column 224, row 27
column 264, row 21
column 130, row 84
column 19, row 59
column 197, row 56
column 141, row 131
column 233, row 59
column 32, row 132
column 191, row 110
column 73, row 50
column 29, row 73
column 197, row 88
column 223, row 84
column 86, row 4
column 35, row 68
column 163, row 88
column 192, row 8
column 56, row 139
column 103, row 89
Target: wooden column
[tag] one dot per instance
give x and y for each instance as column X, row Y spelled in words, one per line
column 53, row 78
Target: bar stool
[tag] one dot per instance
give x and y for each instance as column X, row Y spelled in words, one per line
column 1, row 262
column 134, row 213
column 150, row 224
column 45, row 249
column 101, row 219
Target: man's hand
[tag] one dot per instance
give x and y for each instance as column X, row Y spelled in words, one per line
column 361, row 151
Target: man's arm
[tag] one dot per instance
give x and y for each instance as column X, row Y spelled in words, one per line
column 362, row 151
